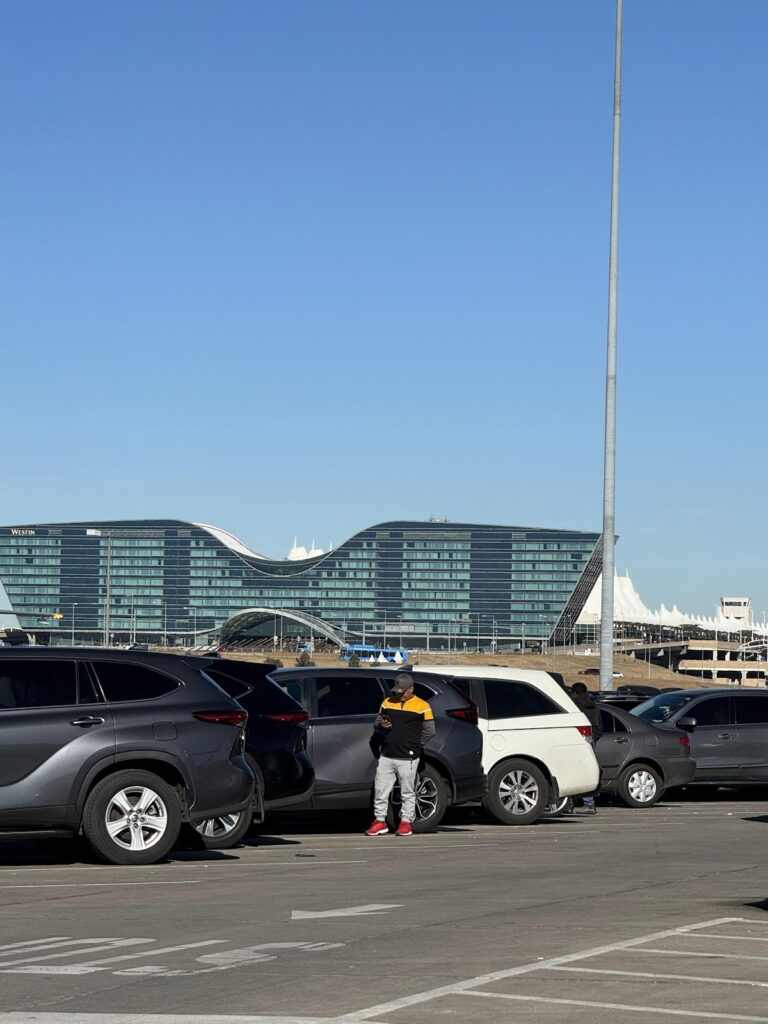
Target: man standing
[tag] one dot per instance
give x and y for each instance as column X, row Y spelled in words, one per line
column 583, row 700
column 404, row 724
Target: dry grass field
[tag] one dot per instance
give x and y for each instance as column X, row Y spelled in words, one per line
column 569, row 665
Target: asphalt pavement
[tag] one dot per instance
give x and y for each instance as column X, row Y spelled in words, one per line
column 655, row 915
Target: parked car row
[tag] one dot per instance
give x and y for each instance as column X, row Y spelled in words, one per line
column 130, row 748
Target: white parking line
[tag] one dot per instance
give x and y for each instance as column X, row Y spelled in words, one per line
column 666, row 977
column 34, row 942
column 698, row 1014
column 739, row 938
column 91, row 966
column 461, row 987
column 709, row 956
column 92, row 885
column 110, row 944
column 34, row 1017
column 53, row 942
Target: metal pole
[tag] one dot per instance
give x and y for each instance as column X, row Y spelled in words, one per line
column 74, row 605
column 108, row 590
column 609, row 476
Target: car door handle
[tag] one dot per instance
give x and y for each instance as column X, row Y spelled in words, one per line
column 726, row 736
column 88, row 720
column 621, row 739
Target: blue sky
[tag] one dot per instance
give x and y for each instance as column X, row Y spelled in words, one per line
column 297, row 268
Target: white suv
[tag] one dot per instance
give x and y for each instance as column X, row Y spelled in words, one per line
column 536, row 743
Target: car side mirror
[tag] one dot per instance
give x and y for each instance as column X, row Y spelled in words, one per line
column 686, row 723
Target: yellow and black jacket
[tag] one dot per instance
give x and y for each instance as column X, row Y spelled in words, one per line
column 413, row 725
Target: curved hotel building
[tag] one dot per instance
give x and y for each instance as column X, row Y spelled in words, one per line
column 411, row 583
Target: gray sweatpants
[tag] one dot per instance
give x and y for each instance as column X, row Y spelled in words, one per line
column 390, row 771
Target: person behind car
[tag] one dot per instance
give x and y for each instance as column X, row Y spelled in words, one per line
column 583, row 700
column 404, row 724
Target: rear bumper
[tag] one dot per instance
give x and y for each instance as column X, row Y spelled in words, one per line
column 679, row 775
column 226, row 788
column 469, row 787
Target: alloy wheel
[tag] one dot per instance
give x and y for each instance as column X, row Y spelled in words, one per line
column 518, row 792
column 217, row 828
column 427, row 797
column 136, row 818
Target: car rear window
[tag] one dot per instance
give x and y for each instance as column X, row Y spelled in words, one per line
column 506, row 698
column 257, row 694
column 123, row 682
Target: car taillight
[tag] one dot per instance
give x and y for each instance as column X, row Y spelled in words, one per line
column 294, row 717
column 467, row 714
column 586, row 731
column 238, row 718
column 685, row 743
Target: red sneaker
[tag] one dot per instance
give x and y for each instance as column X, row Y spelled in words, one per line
column 404, row 829
column 378, row 828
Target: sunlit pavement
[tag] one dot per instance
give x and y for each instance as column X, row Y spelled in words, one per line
column 659, row 914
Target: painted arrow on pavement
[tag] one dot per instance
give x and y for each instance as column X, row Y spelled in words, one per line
column 368, row 908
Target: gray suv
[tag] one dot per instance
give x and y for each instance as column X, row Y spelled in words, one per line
column 122, row 746
column 728, row 730
column 342, row 705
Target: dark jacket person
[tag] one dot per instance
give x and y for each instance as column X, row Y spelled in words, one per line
column 404, row 724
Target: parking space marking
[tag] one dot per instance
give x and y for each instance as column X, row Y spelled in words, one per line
column 660, row 1010
column 91, row 966
column 92, row 885
column 35, row 942
column 738, row 938
column 462, row 987
column 110, row 944
column 221, row 960
column 710, row 956
column 33, row 1017
column 663, row 977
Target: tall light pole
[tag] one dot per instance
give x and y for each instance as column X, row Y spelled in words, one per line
column 609, row 473
column 108, row 589
column 74, row 605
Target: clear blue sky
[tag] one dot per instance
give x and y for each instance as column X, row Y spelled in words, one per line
column 297, row 268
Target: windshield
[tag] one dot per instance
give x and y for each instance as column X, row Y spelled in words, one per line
column 662, row 708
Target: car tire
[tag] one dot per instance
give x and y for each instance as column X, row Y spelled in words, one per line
column 518, row 792
column 222, row 832
column 132, row 817
column 640, row 785
column 431, row 801
column 226, row 830
column 557, row 807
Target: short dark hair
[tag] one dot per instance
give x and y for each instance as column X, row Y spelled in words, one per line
column 579, row 688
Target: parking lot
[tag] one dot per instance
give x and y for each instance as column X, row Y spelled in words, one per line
column 659, row 914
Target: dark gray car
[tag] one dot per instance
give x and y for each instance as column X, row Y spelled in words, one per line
column 343, row 703
column 639, row 760
column 730, row 740
column 121, row 745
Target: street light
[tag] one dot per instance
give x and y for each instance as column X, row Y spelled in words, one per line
column 74, row 605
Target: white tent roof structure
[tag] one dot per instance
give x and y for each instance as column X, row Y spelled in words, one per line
column 629, row 607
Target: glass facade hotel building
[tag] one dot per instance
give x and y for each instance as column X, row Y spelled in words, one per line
column 415, row 582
